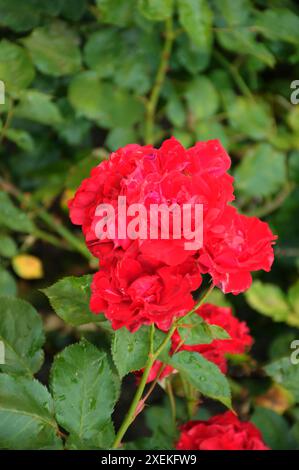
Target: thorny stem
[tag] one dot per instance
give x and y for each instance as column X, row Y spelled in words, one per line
column 160, row 77
column 138, row 403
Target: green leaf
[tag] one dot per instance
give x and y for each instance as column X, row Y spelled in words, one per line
column 52, row 8
column 278, row 24
column 175, row 111
column 81, row 170
column 118, row 12
column 73, row 9
column 130, row 350
column 269, row 300
column 137, row 61
column 8, row 247
column 128, row 57
column 26, row 415
column 194, row 330
column 274, row 428
column 208, row 129
column 19, row 16
column 196, row 18
column 293, row 298
column 217, row 297
column 54, row 49
column 280, row 346
column 293, row 118
column 16, row 69
column 70, row 297
column 156, row 10
column 252, row 176
column 235, row 34
column 86, row 95
column 103, row 439
column 8, row 284
column 37, row 106
column 103, row 102
column 102, row 51
column 188, row 55
column 21, row 331
column 286, row 374
column 84, row 390
column 294, row 166
column 12, row 217
column 119, row 137
column 251, row 118
column 202, row 98
column 159, row 419
column 203, row 375
column 230, row 13
column 246, row 41
column 186, row 138
column 21, row 138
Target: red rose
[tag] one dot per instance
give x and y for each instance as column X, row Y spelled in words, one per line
column 234, row 247
column 148, row 176
column 222, row 432
column 136, row 290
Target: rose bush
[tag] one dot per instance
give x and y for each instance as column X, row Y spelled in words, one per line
column 143, row 345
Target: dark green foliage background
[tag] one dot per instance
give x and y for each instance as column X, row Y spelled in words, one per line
column 85, row 77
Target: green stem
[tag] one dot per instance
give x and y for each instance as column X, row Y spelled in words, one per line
column 133, row 410
column 47, row 237
column 64, row 233
column 273, row 205
column 190, row 395
column 171, row 398
column 198, row 304
column 235, row 74
column 160, row 77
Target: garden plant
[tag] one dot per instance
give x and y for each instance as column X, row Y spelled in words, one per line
column 149, row 255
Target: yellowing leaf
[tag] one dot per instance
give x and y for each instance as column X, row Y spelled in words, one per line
column 28, row 266
column 276, row 398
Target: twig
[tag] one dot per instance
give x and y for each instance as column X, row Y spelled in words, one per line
column 52, row 223
column 274, row 204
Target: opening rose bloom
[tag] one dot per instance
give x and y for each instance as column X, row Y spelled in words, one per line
column 222, row 432
column 216, row 351
column 146, row 280
column 138, row 290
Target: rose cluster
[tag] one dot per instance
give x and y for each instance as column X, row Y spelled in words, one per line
column 145, row 281
column 221, row 432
